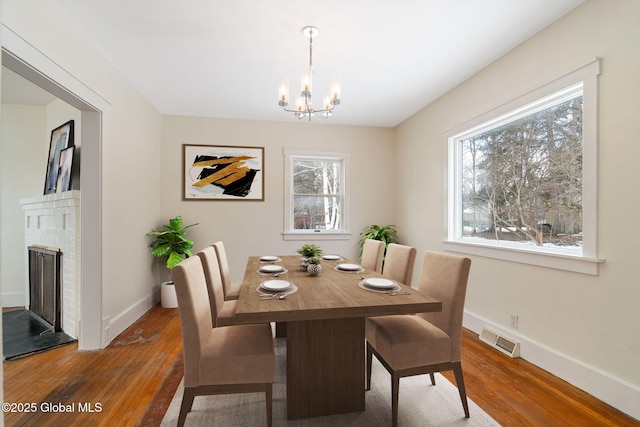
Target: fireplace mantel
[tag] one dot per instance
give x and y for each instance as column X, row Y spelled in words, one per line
column 54, row 220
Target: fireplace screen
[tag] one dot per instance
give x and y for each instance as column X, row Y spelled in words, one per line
column 45, row 284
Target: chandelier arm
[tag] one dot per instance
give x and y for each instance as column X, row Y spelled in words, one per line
column 289, row 110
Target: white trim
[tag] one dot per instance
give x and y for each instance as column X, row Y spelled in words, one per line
column 316, row 236
column 120, row 323
column 588, row 260
column 45, row 71
column 577, row 264
column 614, row 391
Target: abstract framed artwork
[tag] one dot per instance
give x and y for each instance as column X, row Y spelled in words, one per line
column 63, row 182
column 61, row 138
column 218, row 172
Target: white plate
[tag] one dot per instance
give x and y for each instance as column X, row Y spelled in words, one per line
column 269, row 258
column 275, row 285
column 349, row 267
column 331, row 257
column 271, row 268
column 379, row 283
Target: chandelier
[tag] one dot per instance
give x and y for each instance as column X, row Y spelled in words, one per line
column 304, row 106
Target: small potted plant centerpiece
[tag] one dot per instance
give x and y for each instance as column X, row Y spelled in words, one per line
column 308, row 251
column 172, row 246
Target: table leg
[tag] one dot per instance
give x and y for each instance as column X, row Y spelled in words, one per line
column 325, row 367
column 281, row 330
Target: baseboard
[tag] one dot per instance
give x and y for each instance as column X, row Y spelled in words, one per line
column 125, row 319
column 14, row 299
column 616, row 392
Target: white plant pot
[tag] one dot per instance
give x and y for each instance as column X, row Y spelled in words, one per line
column 314, row 269
column 168, row 297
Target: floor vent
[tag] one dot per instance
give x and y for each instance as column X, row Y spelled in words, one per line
column 508, row 346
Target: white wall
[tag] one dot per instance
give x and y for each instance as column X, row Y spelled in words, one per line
column 26, row 130
column 255, row 228
column 130, row 154
column 24, row 161
column 580, row 327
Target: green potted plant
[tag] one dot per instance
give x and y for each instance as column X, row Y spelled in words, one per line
column 172, row 246
column 385, row 233
column 170, row 243
column 307, row 251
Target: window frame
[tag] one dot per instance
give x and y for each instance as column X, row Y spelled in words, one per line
column 587, row 261
column 292, row 154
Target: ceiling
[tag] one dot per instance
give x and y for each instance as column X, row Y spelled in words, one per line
column 220, row 58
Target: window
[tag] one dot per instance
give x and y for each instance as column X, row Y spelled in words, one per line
column 522, row 180
column 522, row 184
column 317, row 194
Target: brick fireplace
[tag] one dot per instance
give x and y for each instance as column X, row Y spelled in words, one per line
column 54, row 221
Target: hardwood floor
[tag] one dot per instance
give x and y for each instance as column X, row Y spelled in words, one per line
column 142, row 365
column 135, row 378
column 516, row 393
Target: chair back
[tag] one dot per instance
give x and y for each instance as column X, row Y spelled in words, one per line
column 444, row 277
column 195, row 314
column 399, row 262
column 372, row 255
column 214, row 280
column 221, row 253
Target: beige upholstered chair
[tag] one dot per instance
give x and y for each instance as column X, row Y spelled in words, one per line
column 427, row 342
column 220, row 360
column 222, row 312
column 399, row 262
column 230, row 291
column 372, row 255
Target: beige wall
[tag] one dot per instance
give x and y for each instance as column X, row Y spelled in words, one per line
column 255, row 228
column 581, row 327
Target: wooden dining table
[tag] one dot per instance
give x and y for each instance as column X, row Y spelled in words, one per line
column 325, row 326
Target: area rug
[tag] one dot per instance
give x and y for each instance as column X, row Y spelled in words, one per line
column 421, row 405
column 24, row 334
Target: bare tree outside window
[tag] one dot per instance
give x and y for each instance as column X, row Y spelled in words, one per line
column 317, row 194
column 522, row 181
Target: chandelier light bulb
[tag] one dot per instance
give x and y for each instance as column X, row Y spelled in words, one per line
column 306, row 83
column 326, row 102
column 283, row 93
column 335, row 93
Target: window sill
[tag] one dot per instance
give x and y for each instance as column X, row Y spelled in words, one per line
column 316, row 235
column 574, row 263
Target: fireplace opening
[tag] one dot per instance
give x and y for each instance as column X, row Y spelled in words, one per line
column 38, row 327
column 45, row 284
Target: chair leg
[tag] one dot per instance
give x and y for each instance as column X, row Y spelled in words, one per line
column 185, row 407
column 433, row 378
column 269, row 402
column 369, row 362
column 395, row 388
column 457, row 371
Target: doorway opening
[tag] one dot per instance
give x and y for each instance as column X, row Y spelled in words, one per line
column 44, row 73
